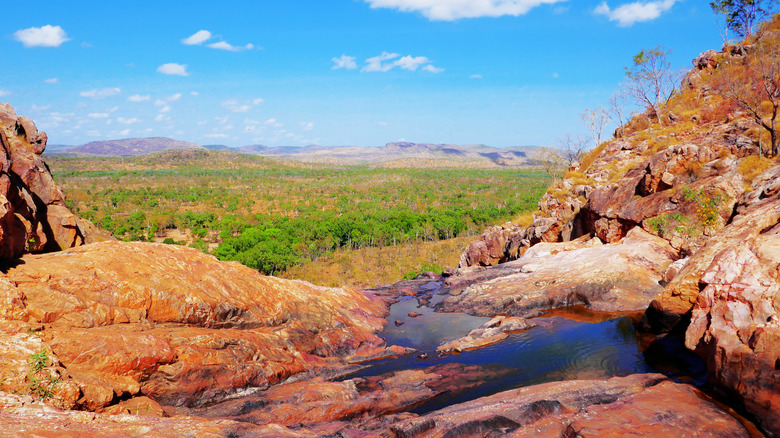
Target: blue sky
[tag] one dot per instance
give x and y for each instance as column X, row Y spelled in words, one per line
column 336, row 72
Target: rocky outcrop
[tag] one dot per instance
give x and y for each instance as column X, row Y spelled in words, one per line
column 33, row 215
column 491, row 332
column 176, row 325
column 639, row 405
column 727, row 301
column 613, row 277
column 318, row 401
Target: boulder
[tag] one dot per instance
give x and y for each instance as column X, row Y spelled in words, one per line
column 491, row 332
column 613, row 277
column 178, row 326
column 33, row 215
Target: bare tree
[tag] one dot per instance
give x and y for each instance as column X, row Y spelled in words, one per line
column 595, row 120
column 752, row 82
column 616, row 109
column 572, row 148
column 651, row 80
column 551, row 161
column 743, row 16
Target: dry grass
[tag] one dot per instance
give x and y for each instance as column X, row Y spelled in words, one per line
column 369, row 267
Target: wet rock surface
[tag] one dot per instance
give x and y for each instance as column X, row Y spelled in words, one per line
column 641, row 404
column 491, row 332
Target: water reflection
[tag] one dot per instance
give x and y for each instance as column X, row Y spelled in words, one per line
column 581, row 345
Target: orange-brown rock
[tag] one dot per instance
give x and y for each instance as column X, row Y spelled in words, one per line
column 612, row 277
column 318, row 401
column 21, row 417
column 33, row 215
column 178, row 326
column 637, row 405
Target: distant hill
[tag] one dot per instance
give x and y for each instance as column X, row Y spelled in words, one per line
column 398, row 154
column 395, row 154
column 128, row 147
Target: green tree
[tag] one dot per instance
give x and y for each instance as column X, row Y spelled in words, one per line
column 652, row 81
column 742, row 16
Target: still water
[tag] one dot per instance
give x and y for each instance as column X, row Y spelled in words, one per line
column 560, row 348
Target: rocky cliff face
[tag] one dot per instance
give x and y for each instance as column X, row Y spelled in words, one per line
column 699, row 183
column 33, row 215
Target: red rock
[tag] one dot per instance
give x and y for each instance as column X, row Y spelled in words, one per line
column 33, row 216
column 398, row 323
column 641, row 405
column 180, row 327
column 414, row 314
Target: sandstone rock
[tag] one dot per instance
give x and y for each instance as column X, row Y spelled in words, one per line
column 180, row 327
column 21, row 417
column 317, row 401
column 641, row 404
column 33, row 216
column 489, row 333
column 613, row 277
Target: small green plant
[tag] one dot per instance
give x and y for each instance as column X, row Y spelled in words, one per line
column 707, row 205
column 41, row 382
column 38, row 361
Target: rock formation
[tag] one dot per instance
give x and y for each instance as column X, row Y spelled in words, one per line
column 698, row 183
column 33, row 215
column 120, row 320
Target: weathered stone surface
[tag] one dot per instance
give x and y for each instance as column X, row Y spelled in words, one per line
column 613, row 277
column 493, row 331
column 318, row 401
column 176, row 325
column 19, row 416
column 640, row 405
column 33, row 216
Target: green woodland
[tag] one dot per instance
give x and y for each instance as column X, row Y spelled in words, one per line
column 271, row 215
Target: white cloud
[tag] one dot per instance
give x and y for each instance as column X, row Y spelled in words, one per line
column 52, row 81
column 476, row 76
column 628, row 14
column 100, row 94
column 165, row 109
column 124, row 132
column 235, row 106
column 173, row 98
column 162, row 118
column 4, row 93
column 173, row 69
column 411, row 63
column 98, row 115
column 138, row 98
column 198, row 37
column 382, row 123
column 38, row 108
column 45, row 36
column 375, row 63
column 347, row 62
column 216, row 135
column 555, row 75
column 449, row 10
column 307, row 126
column 194, row 93
column 224, row 45
column 129, row 121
